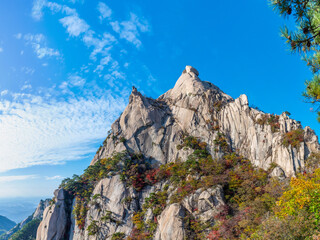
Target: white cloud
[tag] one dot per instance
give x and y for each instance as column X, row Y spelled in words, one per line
column 75, row 25
column 37, row 131
column 103, row 62
column 130, row 30
column 63, row 85
column 4, row 92
column 18, row 35
column 26, row 86
column 28, row 70
column 104, row 10
column 101, row 45
column 37, row 8
column 38, row 43
column 5, row 179
column 1, row 49
column 57, row 177
column 75, row 1
column 77, row 81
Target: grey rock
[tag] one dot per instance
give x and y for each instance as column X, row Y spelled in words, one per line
column 171, row 223
column 55, row 218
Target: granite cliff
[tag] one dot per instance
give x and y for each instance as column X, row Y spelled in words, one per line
column 193, row 118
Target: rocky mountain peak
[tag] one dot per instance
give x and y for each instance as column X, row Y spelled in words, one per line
column 189, row 84
column 163, row 132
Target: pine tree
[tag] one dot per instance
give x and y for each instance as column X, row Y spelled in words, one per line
column 304, row 40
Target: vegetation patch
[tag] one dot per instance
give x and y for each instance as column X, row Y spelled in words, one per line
column 256, row 204
column 191, row 142
column 270, row 119
column 218, row 105
column 28, row 231
column 133, row 169
column 118, row 236
column 221, row 143
column 293, row 138
column 250, row 194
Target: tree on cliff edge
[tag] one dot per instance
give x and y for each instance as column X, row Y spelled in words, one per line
column 304, row 40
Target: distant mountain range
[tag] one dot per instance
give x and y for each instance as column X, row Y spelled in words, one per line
column 27, row 228
column 5, row 224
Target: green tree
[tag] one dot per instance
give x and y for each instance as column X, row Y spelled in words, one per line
column 28, row 232
column 304, row 40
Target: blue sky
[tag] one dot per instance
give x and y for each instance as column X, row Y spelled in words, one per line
column 67, row 67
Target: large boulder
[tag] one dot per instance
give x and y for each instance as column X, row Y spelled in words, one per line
column 55, row 219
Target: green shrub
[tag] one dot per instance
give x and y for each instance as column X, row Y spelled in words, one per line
column 118, row 236
column 93, row 228
column 293, row 138
column 218, row 105
column 221, row 143
column 270, row 119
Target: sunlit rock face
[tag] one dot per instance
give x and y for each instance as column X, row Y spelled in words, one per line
column 155, row 128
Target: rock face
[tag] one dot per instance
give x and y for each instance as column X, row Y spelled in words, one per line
column 155, row 128
column 54, row 224
column 171, row 224
column 111, row 194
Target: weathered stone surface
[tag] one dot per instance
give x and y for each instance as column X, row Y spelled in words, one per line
column 154, row 127
column 171, row 223
column 55, row 218
column 190, row 69
column 38, row 213
column 113, row 193
column 204, row 204
column 278, row 172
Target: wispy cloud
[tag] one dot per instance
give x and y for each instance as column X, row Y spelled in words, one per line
column 18, row 35
column 104, row 10
column 57, row 177
column 74, row 25
column 1, row 49
column 5, row 179
column 26, row 86
column 36, row 131
column 76, row 81
column 37, row 8
column 4, row 92
column 39, row 45
column 100, row 44
column 130, row 30
column 28, row 70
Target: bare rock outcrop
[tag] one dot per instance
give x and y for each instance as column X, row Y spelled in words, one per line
column 155, row 127
column 55, row 219
column 171, row 223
